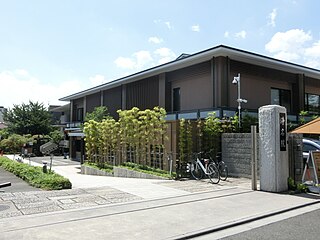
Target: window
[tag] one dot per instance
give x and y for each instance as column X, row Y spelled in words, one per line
column 312, row 102
column 79, row 114
column 281, row 97
column 176, row 99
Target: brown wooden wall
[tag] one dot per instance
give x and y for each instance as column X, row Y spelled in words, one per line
column 112, row 100
column 143, row 94
column 195, row 86
column 93, row 101
column 256, row 84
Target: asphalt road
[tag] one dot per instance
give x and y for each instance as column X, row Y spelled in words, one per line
column 305, row 226
column 17, row 184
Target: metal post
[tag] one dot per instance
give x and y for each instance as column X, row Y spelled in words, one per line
column 239, row 101
column 254, row 157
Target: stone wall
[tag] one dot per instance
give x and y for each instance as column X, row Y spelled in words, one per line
column 236, row 153
column 118, row 172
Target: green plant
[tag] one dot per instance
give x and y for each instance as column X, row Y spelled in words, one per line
column 291, row 185
column 147, row 169
column 138, row 136
column 98, row 114
column 105, row 167
column 35, row 176
column 302, row 188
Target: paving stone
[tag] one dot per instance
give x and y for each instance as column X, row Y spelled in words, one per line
column 48, row 194
column 102, row 202
column 50, row 208
column 9, row 214
column 28, row 200
column 92, row 198
column 78, row 205
column 35, row 204
column 66, row 201
column 127, row 199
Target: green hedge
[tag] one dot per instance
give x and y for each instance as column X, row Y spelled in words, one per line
column 35, row 176
column 147, row 169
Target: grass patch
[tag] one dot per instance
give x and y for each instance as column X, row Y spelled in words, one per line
column 101, row 166
column 147, row 169
column 35, row 176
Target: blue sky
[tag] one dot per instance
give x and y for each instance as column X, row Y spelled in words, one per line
column 50, row 49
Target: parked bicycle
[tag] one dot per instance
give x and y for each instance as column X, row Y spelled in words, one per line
column 209, row 168
column 222, row 166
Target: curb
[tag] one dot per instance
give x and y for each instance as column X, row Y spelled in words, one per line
column 238, row 223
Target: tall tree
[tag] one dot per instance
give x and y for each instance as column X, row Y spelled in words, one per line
column 98, row 114
column 32, row 118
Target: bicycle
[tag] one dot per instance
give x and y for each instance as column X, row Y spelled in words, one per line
column 210, row 169
column 222, row 166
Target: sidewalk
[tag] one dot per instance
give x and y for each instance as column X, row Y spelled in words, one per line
column 93, row 191
column 123, row 208
column 168, row 218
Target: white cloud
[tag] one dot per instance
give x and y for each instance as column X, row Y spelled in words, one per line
column 288, row 41
column 155, row 40
column 138, row 60
column 272, row 17
column 312, row 55
column 226, row 34
column 314, row 50
column 168, row 24
column 124, row 62
column 295, row 45
column 288, row 45
column 97, row 80
column 19, row 86
column 142, row 58
column 195, row 28
column 242, row 34
column 165, row 54
column 145, row 59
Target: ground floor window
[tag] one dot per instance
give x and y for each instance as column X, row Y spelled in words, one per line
column 312, row 103
column 176, row 99
column 281, row 97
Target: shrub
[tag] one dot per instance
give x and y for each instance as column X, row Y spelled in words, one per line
column 35, row 176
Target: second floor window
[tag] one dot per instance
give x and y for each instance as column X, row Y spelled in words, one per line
column 79, row 114
column 281, row 97
column 312, row 103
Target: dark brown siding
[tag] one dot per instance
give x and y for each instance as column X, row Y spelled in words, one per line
column 93, row 101
column 143, row 94
column 77, row 103
column 195, row 85
column 112, row 100
column 256, row 84
column 312, row 85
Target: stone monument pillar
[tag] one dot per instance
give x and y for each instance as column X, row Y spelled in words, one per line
column 274, row 163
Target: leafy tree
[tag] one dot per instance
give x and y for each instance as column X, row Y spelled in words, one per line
column 98, row 114
column 56, row 136
column 32, row 118
column 13, row 143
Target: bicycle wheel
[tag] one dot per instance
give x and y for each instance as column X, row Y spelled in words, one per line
column 223, row 170
column 196, row 170
column 213, row 173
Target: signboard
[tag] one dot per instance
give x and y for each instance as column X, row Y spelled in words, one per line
column 283, row 134
column 311, row 171
column 316, row 158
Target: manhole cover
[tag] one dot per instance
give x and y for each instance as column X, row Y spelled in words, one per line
column 4, row 207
